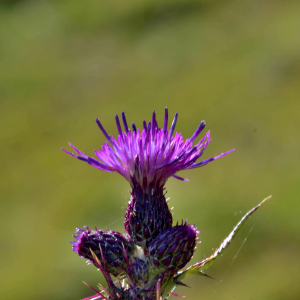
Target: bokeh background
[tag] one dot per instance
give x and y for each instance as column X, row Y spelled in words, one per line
column 235, row 64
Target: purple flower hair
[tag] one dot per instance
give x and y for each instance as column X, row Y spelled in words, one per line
column 151, row 155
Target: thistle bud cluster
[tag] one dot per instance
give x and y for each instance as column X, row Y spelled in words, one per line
column 151, row 250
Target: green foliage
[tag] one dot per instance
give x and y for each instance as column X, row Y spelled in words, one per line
column 235, row 64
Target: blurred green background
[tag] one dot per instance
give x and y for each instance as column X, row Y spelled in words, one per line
column 235, row 64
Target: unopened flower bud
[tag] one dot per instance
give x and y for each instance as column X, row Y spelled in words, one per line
column 172, row 249
column 138, row 270
column 111, row 244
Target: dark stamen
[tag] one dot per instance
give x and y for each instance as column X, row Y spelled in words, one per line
column 148, row 134
column 124, row 121
column 166, row 121
column 133, row 127
column 119, row 125
column 103, row 131
column 153, row 123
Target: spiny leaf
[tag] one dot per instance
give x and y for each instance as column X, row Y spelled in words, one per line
column 198, row 267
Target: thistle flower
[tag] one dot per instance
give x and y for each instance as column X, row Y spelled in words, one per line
column 149, row 258
column 148, row 157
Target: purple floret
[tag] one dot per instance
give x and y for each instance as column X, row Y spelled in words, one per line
column 151, row 155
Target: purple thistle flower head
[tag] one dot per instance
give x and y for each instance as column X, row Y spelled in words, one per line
column 148, row 157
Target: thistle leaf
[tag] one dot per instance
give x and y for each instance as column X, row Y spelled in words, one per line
column 198, row 267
